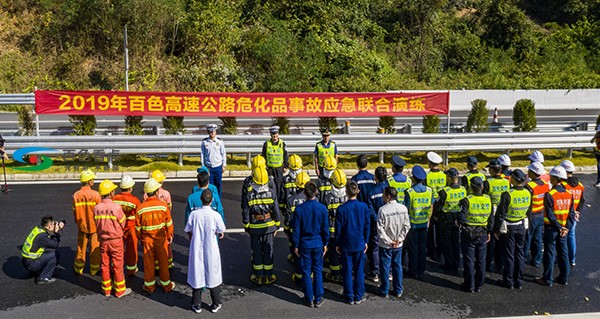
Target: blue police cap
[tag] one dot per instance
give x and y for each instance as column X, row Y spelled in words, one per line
column 452, row 172
column 419, row 173
column 518, row 175
column 472, row 160
column 494, row 164
column 398, row 161
column 477, row 181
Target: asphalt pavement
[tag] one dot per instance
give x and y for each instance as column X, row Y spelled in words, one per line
column 438, row 295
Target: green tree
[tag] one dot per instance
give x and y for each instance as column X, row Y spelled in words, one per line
column 173, row 125
column 229, row 125
column 477, row 119
column 83, row 124
column 328, row 122
column 26, row 122
column 431, row 124
column 524, row 116
column 134, row 125
column 387, row 124
column 283, row 123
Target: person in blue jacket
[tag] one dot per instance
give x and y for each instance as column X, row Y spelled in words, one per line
column 310, row 235
column 352, row 231
column 194, row 202
column 363, row 178
column 374, row 203
column 212, row 187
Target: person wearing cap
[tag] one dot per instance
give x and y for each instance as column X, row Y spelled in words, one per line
column 293, row 202
column 165, row 196
column 538, row 157
column 573, row 185
column 363, row 178
column 472, row 164
column 375, row 202
column 559, row 214
column 446, row 209
column 84, row 201
column 398, row 180
column 419, row 202
column 538, row 188
column 129, row 203
column 154, row 228
column 497, row 184
column 596, row 140
column 476, row 220
column 288, row 186
column 436, row 179
column 310, row 236
column 332, row 201
column 325, row 147
column 212, row 187
column 510, row 226
column 261, row 220
column 214, row 157
column 505, row 162
column 275, row 153
column 194, row 200
column 110, row 222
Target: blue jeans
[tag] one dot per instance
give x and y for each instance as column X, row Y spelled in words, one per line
column 474, row 252
column 417, row 251
column 353, row 271
column 216, row 177
column 311, row 260
column 44, row 266
column 572, row 243
column 390, row 257
column 554, row 244
column 534, row 239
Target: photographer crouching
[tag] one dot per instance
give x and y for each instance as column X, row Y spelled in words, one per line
column 39, row 250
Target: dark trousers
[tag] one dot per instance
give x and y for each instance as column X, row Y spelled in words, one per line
column 262, row 254
column 44, row 266
column 216, row 177
column 215, row 295
column 277, row 174
column 434, row 239
column 513, row 244
column 373, row 248
column 391, row 258
column 533, row 245
column 598, row 167
column 554, row 244
column 493, row 254
column 451, row 245
column 334, row 258
column 417, row 251
column 353, row 270
column 473, row 251
column 311, row 260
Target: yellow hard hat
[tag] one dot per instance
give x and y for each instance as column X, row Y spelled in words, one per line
column 126, row 182
column 302, row 179
column 258, row 161
column 106, row 187
column 295, row 162
column 338, row 178
column 158, row 176
column 87, row 176
column 151, row 185
column 329, row 163
column 260, row 176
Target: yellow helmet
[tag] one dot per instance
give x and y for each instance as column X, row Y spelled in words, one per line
column 258, row 161
column 302, row 179
column 329, row 163
column 260, row 176
column 126, row 182
column 151, row 185
column 338, row 178
column 158, row 176
column 87, row 176
column 295, row 162
column 106, row 187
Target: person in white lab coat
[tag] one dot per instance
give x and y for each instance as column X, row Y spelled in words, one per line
column 204, row 262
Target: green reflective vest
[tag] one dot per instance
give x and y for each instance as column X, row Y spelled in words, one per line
column 27, row 253
column 420, row 205
column 437, row 181
column 400, row 187
column 520, row 201
column 471, row 175
column 480, row 208
column 498, row 185
column 274, row 154
column 323, row 152
column 453, row 196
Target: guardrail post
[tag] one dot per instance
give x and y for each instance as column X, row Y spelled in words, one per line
column 109, row 158
column 569, row 152
column 381, row 157
column 180, row 157
column 347, row 128
column 249, row 159
column 446, row 158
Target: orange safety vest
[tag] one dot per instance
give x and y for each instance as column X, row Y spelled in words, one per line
column 84, row 201
column 537, row 199
column 129, row 203
column 576, row 191
column 562, row 206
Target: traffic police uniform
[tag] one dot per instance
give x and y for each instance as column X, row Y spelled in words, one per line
column 39, row 254
column 538, row 188
column 323, row 150
column 214, row 157
column 276, row 156
column 446, row 209
column 436, row 180
column 497, row 185
column 473, row 171
column 332, row 201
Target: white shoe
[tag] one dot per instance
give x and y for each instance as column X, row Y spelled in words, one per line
column 196, row 309
column 125, row 293
column 214, row 308
column 597, row 185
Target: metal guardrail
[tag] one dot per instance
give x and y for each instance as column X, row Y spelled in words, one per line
column 305, row 144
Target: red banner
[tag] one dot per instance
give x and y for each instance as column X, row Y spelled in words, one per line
column 223, row 104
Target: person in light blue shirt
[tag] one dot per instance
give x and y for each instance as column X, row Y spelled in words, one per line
column 194, row 202
column 212, row 187
column 213, row 156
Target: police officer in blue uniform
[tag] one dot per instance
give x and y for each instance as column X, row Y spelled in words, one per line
column 214, row 157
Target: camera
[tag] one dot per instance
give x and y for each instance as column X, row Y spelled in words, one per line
column 58, row 225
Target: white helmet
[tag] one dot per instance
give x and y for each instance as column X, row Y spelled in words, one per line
column 568, row 166
column 126, row 182
column 537, row 168
column 504, row 160
column 537, row 156
column 558, row 171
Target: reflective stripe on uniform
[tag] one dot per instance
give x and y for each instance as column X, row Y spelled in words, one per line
column 262, row 225
column 150, row 283
column 78, row 204
column 151, row 208
column 105, row 217
column 155, row 227
column 258, row 201
column 258, row 267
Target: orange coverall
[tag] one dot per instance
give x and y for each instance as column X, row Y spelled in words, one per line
column 110, row 221
column 129, row 203
column 155, row 229
column 165, row 196
column 84, row 201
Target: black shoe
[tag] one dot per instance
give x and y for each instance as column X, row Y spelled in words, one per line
column 502, row 283
column 45, row 281
column 466, row 289
column 543, row 282
column 319, row 303
column 563, row 282
column 478, row 289
column 309, row 304
column 519, row 287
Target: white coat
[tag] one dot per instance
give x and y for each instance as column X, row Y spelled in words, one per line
column 204, row 262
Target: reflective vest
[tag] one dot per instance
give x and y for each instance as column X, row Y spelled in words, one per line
column 537, row 200
column 453, row 196
column 480, row 208
column 420, row 205
column 497, row 187
column 274, row 154
column 470, row 175
column 333, row 200
column 437, row 181
column 562, row 206
column 27, row 253
column 400, row 187
column 576, row 191
column 520, row 200
column 323, row 152
column 262, row 207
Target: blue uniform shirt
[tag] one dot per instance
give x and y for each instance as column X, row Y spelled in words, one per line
column 194, row 202
column 365, row 181
column 376, row 197
column 310, row 225
column 212, row 153
column 212, row 188
column 419, row 188
column 352, row 226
